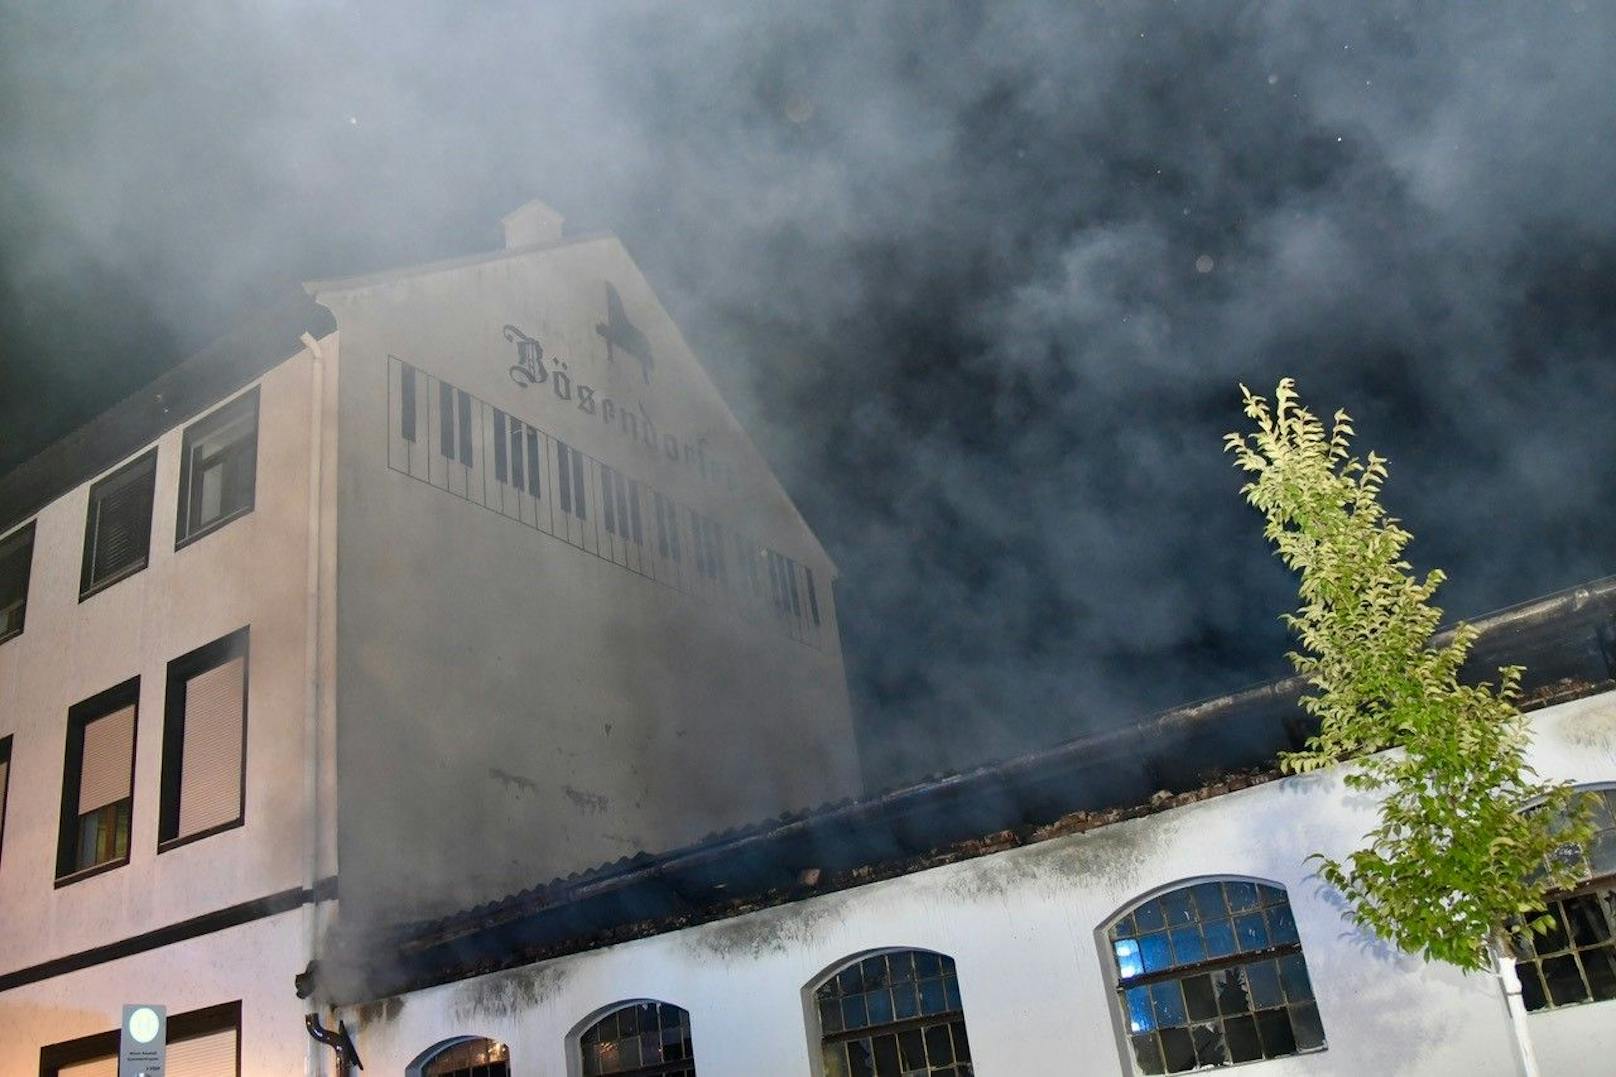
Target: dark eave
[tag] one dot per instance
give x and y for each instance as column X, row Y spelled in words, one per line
column 1567, row 641
column 235, row 359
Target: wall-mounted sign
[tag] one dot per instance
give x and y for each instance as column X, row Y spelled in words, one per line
column 143, row 1042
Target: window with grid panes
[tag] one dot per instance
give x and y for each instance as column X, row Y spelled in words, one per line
column 894, row 1014
column 639, row 1039
column 1212, row 974
column 218, row 468
column 470, row 1058
column 1576, row 960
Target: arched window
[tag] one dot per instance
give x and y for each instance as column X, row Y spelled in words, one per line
column 464, row 1056
column 639, row 1038
column 1576, row 960
column 897, row 1012
column 1211, row 974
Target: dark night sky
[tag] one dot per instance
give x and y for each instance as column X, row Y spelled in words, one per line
column 981, row 279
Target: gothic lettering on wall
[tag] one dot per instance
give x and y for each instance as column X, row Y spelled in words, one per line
column 629, row 420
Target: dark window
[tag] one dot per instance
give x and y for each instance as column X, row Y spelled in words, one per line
column 98, row 781
column 407, row 396
column 641, row 1038
column 898, row 1012
column 16, row 561
column 201, row 1043
column 117, row 532
column 470, row 1058
column 204, row 740
column 1212, row 974
column 5, row 786
column 218, row 468
column 1575, row 961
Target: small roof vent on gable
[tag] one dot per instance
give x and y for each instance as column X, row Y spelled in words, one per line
column 531, row 224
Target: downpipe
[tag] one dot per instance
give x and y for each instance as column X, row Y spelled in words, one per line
column 1510, row 981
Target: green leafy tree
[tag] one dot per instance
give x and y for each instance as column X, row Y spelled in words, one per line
column 1468, row 838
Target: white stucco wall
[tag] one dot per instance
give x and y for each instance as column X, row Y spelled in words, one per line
column 1023, row 927
column 253, row 964
column 251, row 572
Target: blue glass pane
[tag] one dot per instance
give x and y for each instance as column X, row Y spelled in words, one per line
column 1123, row 927
column 1293, row 974
column 1242, row 896
column 1251, row 931
column 1187, row 948
column 1209, row 900
column 1128, row 963
column 1282, row 924
column 905, row 1003
column 879, row 1006
column 853, row 1012
column 928, row 964
column 1219, row 936
column 1262, row 980
column 1154, row 953
column 1149, row 916
column 1178, row 908
column 932, row 998
column 1169, row 1003
column 952, row 993
column 1140, row 1017
column 1271, row 895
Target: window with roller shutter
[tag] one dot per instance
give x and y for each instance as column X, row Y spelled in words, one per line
column 201, row 1043
column 117, row 530
column 98, row 783
column 204, row 742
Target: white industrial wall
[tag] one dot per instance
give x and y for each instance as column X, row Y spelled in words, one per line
column 1023, row 927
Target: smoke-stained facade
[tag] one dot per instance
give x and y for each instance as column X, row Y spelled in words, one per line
column 577, row 616
column 486, row 585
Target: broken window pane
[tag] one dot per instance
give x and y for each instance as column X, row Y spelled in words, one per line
column 895, row 1013
column 1186, row 1006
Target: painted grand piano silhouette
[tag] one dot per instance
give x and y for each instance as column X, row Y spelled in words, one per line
column 623, row 335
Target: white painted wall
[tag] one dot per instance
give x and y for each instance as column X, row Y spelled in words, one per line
column 253, row 963
column 252, row 572
column 1024, row 928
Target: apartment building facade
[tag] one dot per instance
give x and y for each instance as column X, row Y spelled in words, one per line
column 434, row 618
